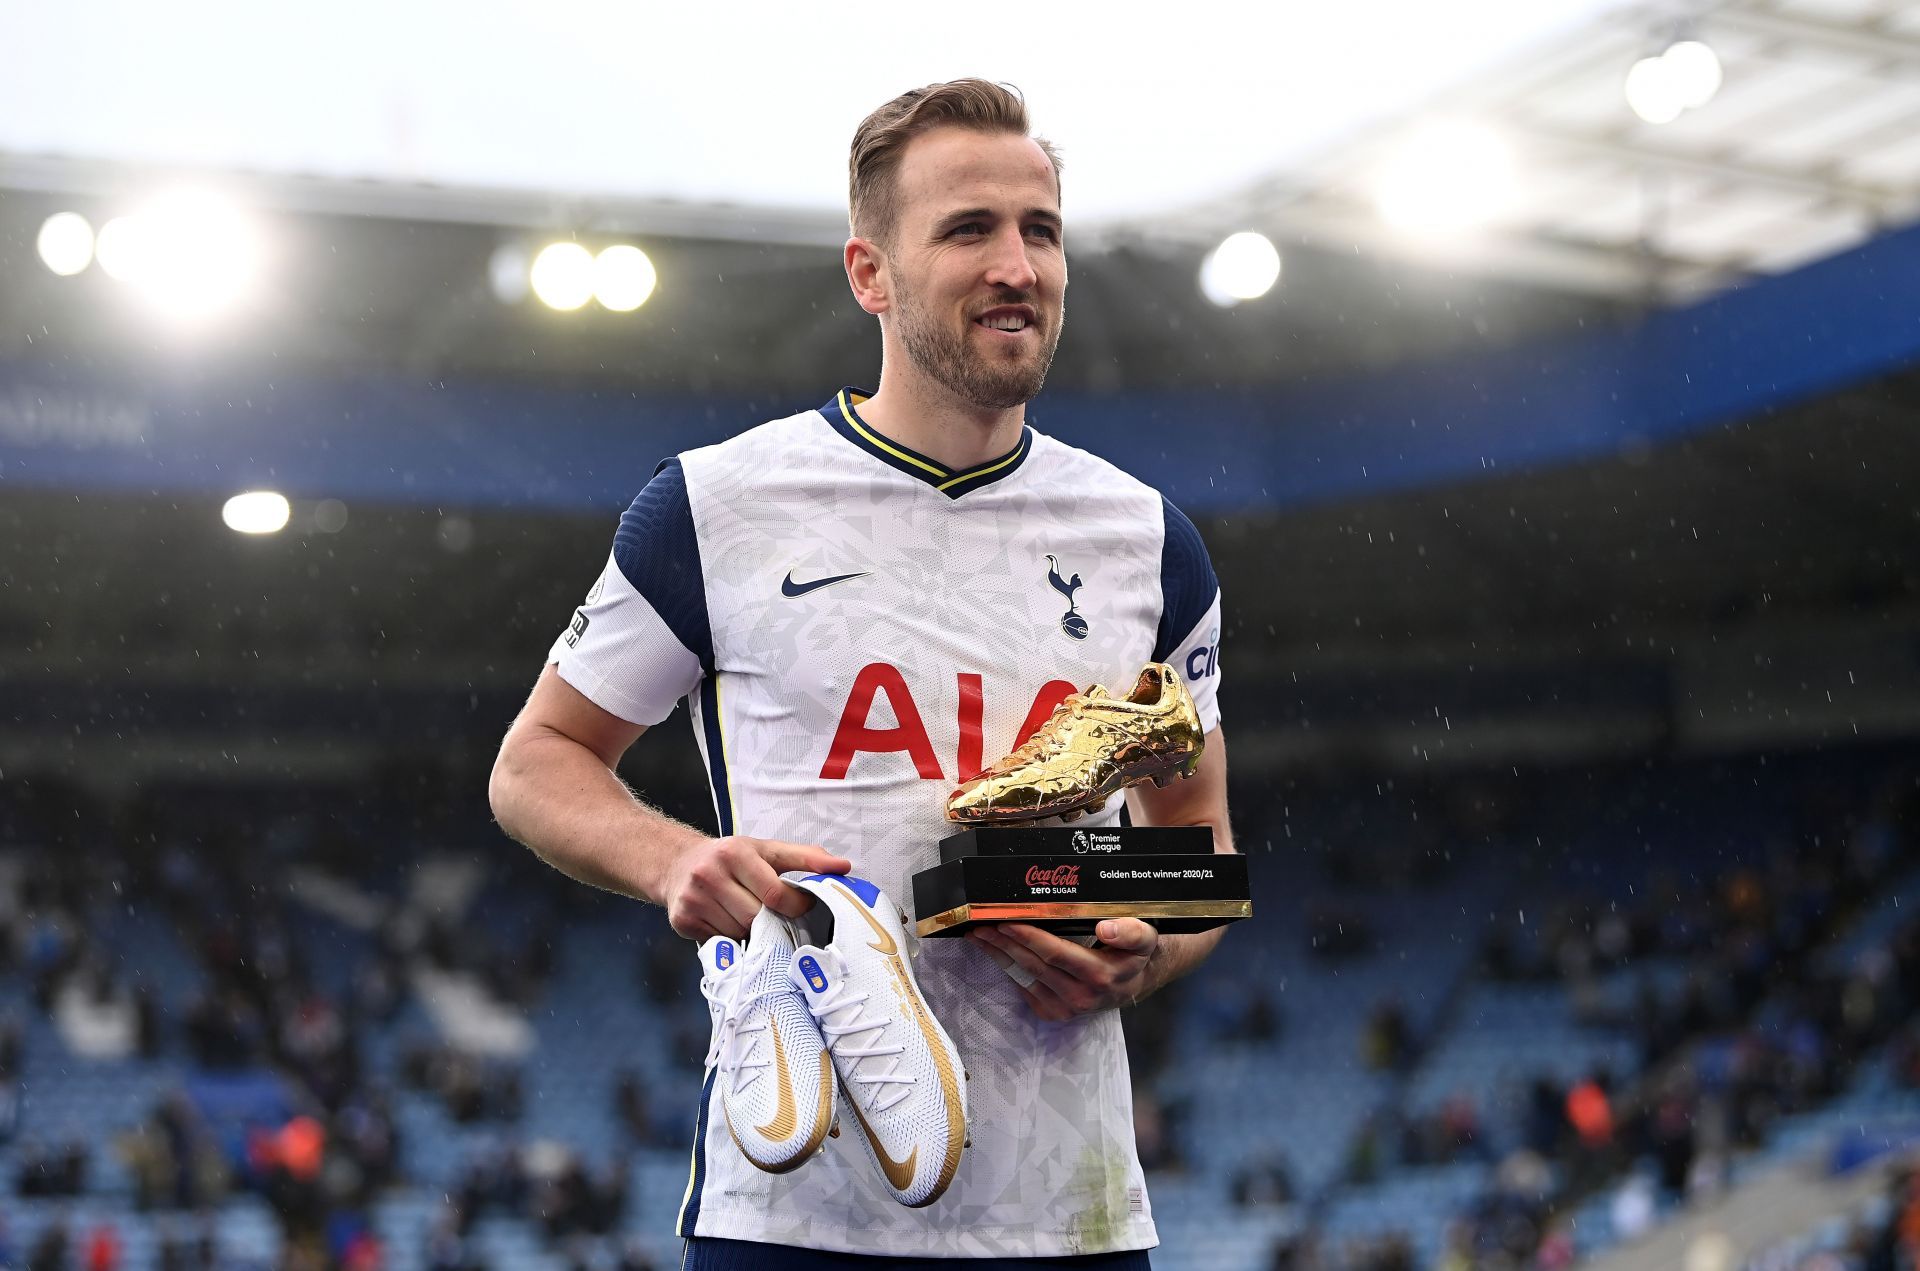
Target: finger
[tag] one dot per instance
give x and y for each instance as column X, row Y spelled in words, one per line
column 1129, row 935
column 740, row 905
column 801, row 856
column 1076, row 960
column 706, row 919
column 1045, row 1003
column 1062, row 984
column 773, row 891
column 1015, row 972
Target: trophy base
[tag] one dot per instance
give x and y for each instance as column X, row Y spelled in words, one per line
column 1069, row 919
column 1070, row 894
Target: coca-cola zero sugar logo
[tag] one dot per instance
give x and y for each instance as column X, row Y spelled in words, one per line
column 1059, row 876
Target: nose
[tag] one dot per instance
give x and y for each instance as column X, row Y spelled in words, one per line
column 1010, row 266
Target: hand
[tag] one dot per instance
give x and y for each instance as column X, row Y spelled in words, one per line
column 717, row 887
column 1070, row 979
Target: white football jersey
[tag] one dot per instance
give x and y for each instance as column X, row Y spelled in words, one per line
column 856, row 630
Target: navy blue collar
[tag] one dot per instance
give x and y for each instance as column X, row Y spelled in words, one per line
column 843, row 414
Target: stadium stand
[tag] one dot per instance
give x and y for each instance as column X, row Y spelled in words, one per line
column 1446, row 1058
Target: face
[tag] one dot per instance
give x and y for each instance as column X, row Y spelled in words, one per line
column 977, row 271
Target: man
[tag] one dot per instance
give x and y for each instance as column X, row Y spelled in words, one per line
column 863, row 605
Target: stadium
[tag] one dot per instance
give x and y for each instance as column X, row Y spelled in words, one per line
column 1542, row 380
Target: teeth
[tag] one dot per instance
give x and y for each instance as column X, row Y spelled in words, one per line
column 1009, row 322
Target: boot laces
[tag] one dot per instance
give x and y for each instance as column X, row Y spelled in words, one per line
column 844, row 1020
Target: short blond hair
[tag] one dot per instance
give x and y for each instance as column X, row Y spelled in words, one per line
column 873, row 165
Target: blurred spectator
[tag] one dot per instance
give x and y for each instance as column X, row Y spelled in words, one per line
column 1542, row 1124
column 1263, row 1184
column 103, row 1248
column 52, row 1171
column 1152, row 1134
column 446, row 1249
column 1633, row 1207
column 1295, row 1253
column 1387, row 1044
column 49, row 1252
column 1260, row 1022
column 1365, row 1156
column 1590, row 1114
column 1456, row 1248
column 472, row 1089
column 634, row 1258
column 1556, row 1249
column 9, row 1108
column 663, row 968
column 1459, row 1125
column 630, row 1104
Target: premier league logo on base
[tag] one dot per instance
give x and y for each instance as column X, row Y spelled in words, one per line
column 1009, row 866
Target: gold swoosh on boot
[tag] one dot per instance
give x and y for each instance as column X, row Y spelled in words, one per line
column 899, row 1173
column 786, row 1110
column 886, row 945
column 786, row 1116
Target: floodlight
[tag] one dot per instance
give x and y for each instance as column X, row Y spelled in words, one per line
column 1694, row 72
column 1653, row 91
column 65, row 243
column 1446, row 179
column 190, row 254
column 257, row 512
column 563, row 275
column 1243, row 267
column 118, row 248
column 623, row 278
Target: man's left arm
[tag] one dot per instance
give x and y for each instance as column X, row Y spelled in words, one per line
column 1199, row 800
column 1061, row 978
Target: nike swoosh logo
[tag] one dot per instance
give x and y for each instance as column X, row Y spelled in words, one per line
column 788, row 587
column 886, row 944
column 786, row 1110
column 899, row 1173
column 901, row 1176
column 786, row 1113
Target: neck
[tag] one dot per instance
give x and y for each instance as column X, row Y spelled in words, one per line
column 927, row 417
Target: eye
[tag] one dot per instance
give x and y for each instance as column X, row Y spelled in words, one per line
column 966, row 227
column 1045, row 231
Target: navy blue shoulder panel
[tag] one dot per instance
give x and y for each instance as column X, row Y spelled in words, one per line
column 657, row 550
column 1187, row 583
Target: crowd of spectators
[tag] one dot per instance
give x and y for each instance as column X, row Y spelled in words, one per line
column 471, row 1087
column 1755, row 1032
column 546, row 1183
column 1759, row 1030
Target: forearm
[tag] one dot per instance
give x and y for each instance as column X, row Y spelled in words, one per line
column 1175, row 955
column 556, row 797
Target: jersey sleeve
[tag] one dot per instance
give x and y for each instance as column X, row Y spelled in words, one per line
column 1189, row 632
column 642, row 640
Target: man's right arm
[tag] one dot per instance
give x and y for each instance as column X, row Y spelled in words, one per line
column 554, row 789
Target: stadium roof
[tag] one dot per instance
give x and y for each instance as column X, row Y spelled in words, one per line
column 1810, row 146
column 732, row 125
column 749, row 103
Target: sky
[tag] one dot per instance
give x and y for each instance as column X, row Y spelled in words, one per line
column 1155, row 107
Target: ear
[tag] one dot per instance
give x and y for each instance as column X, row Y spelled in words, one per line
column 867, row 275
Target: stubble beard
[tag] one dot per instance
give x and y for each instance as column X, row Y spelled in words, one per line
column 943, row 356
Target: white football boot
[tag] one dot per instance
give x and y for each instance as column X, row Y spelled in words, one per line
column 899, row 1072
column 774, row 1080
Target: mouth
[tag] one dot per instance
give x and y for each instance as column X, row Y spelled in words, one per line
column 1008, row 321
